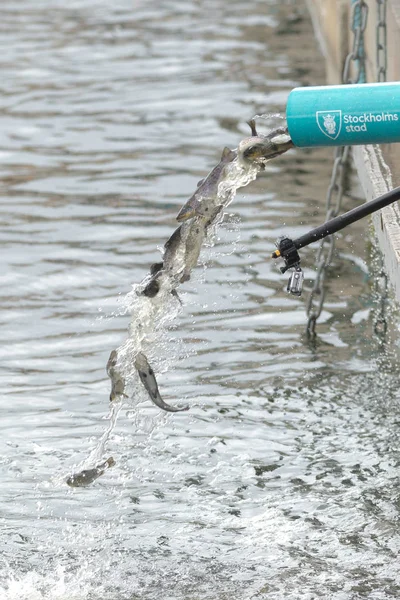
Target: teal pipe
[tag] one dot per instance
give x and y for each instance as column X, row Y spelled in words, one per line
column 344, row 115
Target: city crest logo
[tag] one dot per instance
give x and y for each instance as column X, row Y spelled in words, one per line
column 329, row 122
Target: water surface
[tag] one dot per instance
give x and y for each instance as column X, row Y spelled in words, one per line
column 282, row 480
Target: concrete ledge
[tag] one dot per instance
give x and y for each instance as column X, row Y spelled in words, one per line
column 378, row 167
column 376, row 179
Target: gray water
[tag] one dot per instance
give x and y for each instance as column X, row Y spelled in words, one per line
column 281, row 482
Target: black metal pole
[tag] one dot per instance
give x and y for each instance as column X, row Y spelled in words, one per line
column 355, row 214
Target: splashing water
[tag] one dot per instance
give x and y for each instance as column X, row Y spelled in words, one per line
column 152, row 317
column 57, row 585
column 238, row 176
column 271, row 118
column 281, row 481
column 99, row 451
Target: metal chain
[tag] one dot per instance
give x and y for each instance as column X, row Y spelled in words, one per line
column 335, row 191
column 334, row 196
column 381, row 291
column 357, row 54
column 381, row 41
column 381, row 284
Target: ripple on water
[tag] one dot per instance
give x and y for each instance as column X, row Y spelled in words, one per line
column 282, row 480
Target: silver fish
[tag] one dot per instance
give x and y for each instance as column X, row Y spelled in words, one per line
column 172, row 247
column 181, row 253
column 87, row 476
column 207, row 189
column 182, row 250
column 148, row 379
column 117, row 381
column 197, row 230
column 259, row 148
column 194, row 241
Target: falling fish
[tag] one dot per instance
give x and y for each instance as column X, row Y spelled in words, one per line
column 257, row 149
column 171, row 250
column 182, row 249
column 148, row 379
column 194, row 238
column 194, row 241
column 117, row 381
column 207, row 190
column 260, row 149
column 181, row 253
column 87, row 476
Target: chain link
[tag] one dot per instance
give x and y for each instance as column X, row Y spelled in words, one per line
column 381, row 291
column 381, row 42
column 326, row 249
column 381, row 283
column 357, row 55
column 356, row 60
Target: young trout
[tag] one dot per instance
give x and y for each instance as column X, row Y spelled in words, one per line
column 260, row 149
column 117, row 381
column 87, row 476
column 205, row 198
column 149, row 381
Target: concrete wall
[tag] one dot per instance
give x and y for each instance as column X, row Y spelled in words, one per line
column 378, row 167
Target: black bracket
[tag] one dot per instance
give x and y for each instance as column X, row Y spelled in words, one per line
column 287, row 249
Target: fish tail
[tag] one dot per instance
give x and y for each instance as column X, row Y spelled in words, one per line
column 252, row 125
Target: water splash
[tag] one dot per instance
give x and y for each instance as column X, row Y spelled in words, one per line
column 151, row 318
column 55, row 585
column 269, row 116
column 100, row 449
column 154, row 304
